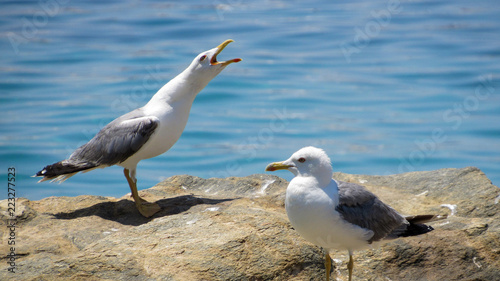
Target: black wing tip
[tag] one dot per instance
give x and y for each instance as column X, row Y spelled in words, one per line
column 415, row 229
column 62, row 170
column 417, row 226
column 43, row 174
column 40, row 173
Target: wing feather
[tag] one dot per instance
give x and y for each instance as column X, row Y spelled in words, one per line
column 363, row 208
column 117, row 141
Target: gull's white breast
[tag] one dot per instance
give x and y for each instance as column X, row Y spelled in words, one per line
column 311, row 211
column 172, row 121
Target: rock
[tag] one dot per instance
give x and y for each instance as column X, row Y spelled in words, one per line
column 237, row 229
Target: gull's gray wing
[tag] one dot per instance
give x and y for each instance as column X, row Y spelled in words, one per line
column 117, row 141
column 362, row 208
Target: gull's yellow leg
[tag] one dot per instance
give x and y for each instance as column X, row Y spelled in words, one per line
column 146, row 208
column 328, row 265
column 350, row 265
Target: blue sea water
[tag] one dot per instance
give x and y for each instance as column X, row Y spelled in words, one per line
column 383, row 86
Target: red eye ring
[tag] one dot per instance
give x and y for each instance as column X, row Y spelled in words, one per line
column 202, row 58
column 302, row 160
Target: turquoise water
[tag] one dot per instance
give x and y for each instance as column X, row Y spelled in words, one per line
column 383, row 86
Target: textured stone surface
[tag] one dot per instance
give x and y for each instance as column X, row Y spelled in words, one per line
column 237, row 229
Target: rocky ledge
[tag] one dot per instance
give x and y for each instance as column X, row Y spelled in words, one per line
column 237, row 229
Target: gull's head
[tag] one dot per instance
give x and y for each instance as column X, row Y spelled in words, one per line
column 206, row 66
column 308, row 161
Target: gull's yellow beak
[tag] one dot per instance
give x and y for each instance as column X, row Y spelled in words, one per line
column 219, row 48
column 277, row 166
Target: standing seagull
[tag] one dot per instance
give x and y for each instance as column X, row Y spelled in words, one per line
column 339, row 215
column 145, row 132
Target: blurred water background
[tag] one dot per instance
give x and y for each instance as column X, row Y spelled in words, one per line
column 384, row 87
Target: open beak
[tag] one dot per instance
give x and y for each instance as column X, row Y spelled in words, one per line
column 219, row 48
column 277, row 166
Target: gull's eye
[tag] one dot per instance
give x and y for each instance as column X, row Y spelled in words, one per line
column 202, row 58
column 302, row 160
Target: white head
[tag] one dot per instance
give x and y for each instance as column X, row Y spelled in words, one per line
column 205, row 66
column 307, row 162
column 193, row 79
